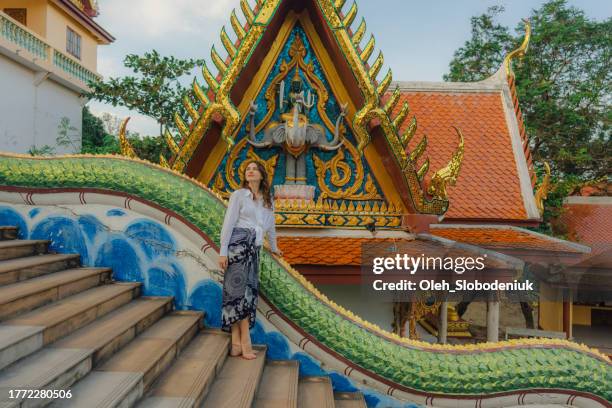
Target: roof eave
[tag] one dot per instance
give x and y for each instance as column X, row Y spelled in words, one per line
column 103, row 36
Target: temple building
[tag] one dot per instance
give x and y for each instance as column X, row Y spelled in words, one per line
column 356, row 158
column 48, row 53
column 110, row 282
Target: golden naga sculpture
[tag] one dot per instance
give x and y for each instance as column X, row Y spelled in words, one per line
column 519, row 52
column 126, row 148
column 447, row 175
column 543, row 189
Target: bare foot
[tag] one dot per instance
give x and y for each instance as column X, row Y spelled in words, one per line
column 236, row 350
column 249, row 356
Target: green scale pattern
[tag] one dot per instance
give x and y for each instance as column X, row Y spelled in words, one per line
column 481, row 372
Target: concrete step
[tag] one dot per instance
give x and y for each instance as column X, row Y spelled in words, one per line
column 67, row 315
column 279, row 385
column 349, row 400
column 315, row 392
column 189, row 379
column 237, row 383
column 110, row 333
column 18, row 248
column 47, row 369
column 126, row 376
column 27, row 295
column 7, row 232
column 16, row 270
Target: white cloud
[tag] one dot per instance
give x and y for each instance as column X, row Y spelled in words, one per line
column 156, row 18
column 109, row 66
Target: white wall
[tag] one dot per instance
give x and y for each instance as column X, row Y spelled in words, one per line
column 30, row 114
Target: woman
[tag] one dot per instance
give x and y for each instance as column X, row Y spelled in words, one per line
column 249, row 215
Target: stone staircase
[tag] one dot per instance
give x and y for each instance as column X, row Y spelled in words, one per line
column 68, row 327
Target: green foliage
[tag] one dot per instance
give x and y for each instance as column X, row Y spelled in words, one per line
column 45, row 150
column 564, row 83
column 67, row 135
column 482, row 54
column 97, row 141
column 154, row 91
column 553, row 208
column 150, row 147
column 507, row 369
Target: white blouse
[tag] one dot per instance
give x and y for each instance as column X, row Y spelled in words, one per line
column 244, row 212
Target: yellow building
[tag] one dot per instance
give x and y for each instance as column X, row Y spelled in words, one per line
column 48, row 54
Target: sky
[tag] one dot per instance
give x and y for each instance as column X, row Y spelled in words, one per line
column 418, row 38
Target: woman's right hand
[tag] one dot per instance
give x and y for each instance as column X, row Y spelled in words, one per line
column 223, row 262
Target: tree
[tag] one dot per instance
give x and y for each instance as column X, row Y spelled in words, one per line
column 95, row 138
column 155, row 91
column 149, row 147
column 563, row 83
column 111, row 123
column 482, row 54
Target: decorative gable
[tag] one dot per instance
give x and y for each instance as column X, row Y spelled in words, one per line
column 333, row 146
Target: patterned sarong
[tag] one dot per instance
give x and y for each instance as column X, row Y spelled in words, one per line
column 241, row 279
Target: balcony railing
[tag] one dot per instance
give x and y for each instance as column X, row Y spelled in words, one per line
column 73, row 68
column 24, row 39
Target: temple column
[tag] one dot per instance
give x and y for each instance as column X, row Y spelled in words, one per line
column 567, row 315
column 443, row 323
column 493, row 318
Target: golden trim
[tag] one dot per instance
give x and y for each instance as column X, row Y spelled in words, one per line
column 370, row 89
column 338, row 89
column 519, row 52
column 171, row 142
column 543, row 189
column 231, row 169
column 214, row 159
column 126, row 148
column 341, row 311
column 447, row 175
column 163, row 162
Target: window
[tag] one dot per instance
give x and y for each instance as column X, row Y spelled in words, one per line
column 73, row 43
column 18, row 14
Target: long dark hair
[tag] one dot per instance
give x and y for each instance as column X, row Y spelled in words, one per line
column 264, row 185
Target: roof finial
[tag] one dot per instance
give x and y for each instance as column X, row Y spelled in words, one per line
column 543, row 189
column 519, row 52
column 126, row 148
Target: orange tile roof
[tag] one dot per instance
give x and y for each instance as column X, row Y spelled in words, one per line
column 587, row 223
column 503, row 238
column 488, row 185
column 322, row 250
column 347, row 251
